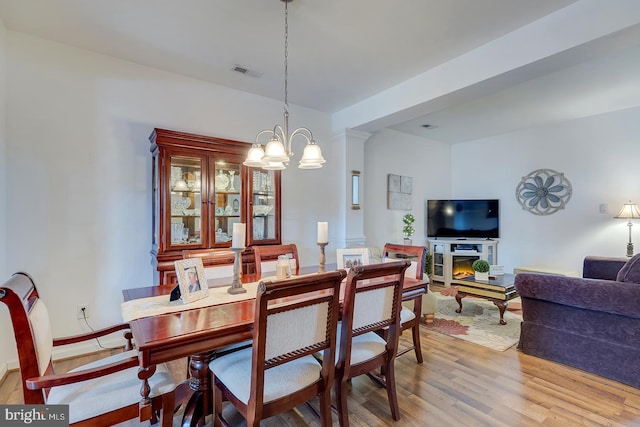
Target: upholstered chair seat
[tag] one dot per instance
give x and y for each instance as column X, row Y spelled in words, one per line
column 90, row 398
column 279, row 381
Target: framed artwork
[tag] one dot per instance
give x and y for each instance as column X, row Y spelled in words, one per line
column 355, row 190
column 192, row 279
column 347, row 258
column 399, row 190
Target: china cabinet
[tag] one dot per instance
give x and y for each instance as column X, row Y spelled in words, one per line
column 200, row 189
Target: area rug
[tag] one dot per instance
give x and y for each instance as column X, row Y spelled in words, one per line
column 477, row 323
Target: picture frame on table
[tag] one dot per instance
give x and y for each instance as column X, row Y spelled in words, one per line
column 192, row 279
column 351, row 257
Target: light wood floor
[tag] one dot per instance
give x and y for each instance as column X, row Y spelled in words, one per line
column 462, row 384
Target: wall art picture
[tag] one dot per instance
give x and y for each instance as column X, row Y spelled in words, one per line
column 399, row 189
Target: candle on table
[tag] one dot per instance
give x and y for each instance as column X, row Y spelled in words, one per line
column 323, row 232
column 239, row 230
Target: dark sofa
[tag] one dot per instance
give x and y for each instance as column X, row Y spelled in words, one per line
column 591, row 323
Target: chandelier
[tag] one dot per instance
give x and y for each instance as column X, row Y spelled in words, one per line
column 277, row 152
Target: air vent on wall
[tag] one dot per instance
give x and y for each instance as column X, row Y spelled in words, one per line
column 244, row 70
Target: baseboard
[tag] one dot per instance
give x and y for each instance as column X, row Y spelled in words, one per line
column 4, row 371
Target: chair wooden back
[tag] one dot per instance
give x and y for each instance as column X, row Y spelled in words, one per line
column 32, row 331
column 267, row 256
column 416, row 254
column 372, row 300
column 295, row 318
column 217, row 263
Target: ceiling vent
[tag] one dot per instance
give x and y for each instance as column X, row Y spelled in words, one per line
column 244, row 70
column 428, row 126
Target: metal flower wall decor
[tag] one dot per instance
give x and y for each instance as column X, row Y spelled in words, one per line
column 543, row 192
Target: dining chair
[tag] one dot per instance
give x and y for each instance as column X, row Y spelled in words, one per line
column 266, row 258
column 409, row 317
column 294, row 319
column 372, row 301
column 217, row 263
column 102, row 393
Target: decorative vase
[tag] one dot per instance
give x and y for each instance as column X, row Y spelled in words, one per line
column 481, row 276
column 407, row 241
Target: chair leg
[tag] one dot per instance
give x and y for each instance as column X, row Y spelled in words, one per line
column 168, row 404
column 341, row 402
column 415, row 331
column 325, row 408
column 390, row 377
column 217, row 403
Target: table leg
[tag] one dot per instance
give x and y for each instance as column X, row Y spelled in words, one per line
column 502, row 306
column 199, row 405
column 459, row 297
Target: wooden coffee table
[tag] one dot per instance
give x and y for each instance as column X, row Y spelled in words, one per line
column 498, row 289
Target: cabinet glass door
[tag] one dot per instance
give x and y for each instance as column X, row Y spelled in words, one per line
column 264, row 206
column 227, row 188
column 186, row 200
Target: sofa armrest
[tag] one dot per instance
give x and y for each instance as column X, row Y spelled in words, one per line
column 592, row 294
column 595, row 267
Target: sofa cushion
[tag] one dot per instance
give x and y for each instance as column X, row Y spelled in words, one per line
column 630, row 272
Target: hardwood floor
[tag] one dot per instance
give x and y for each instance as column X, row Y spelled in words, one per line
column 461, row 384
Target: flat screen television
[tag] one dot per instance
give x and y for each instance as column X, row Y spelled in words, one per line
column 477, row 218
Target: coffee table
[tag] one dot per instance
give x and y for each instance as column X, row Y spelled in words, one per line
column 498, row 289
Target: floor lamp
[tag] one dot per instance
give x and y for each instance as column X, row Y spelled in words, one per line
column 629, row 211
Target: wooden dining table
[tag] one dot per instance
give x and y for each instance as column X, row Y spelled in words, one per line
column 197, row 334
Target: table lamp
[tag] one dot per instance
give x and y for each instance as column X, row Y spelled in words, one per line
column 629, row 211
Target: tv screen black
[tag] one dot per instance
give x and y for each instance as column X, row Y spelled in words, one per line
column 463, row 218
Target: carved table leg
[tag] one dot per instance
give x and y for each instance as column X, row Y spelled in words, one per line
column 145, row 407
column 199, row 405
column 459, row 297
column 502, row 306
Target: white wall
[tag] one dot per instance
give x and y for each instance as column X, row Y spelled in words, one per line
column 598, row 155
column 391, row 152
column 78, row 167
column 5, row 328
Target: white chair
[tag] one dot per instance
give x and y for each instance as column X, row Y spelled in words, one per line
column 101, row 393
column 218, row 263
column 372, row 301
column 293, row 320
column 266, row 258
column 410, row 317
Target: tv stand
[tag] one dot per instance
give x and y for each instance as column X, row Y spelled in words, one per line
column 452, row 259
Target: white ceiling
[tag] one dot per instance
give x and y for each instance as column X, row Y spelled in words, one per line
column 340, row 52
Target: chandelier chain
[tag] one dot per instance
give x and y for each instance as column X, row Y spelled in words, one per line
column 286, row 55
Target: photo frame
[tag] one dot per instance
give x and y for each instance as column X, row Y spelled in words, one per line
column 192, row 279
column 347, row 258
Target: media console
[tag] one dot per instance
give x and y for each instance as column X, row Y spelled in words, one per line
column 452, row 258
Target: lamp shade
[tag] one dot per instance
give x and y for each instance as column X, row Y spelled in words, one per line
column 274, row 166
column 311, row 157
column 629, row 211
column 254, row 157
column 275, row 152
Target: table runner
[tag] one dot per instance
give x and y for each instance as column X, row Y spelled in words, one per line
column 153, row 306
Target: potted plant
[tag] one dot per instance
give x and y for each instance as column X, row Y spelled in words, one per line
column 407, row 229
column 481, row 269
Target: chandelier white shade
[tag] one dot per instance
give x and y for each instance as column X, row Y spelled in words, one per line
column 277, row 152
